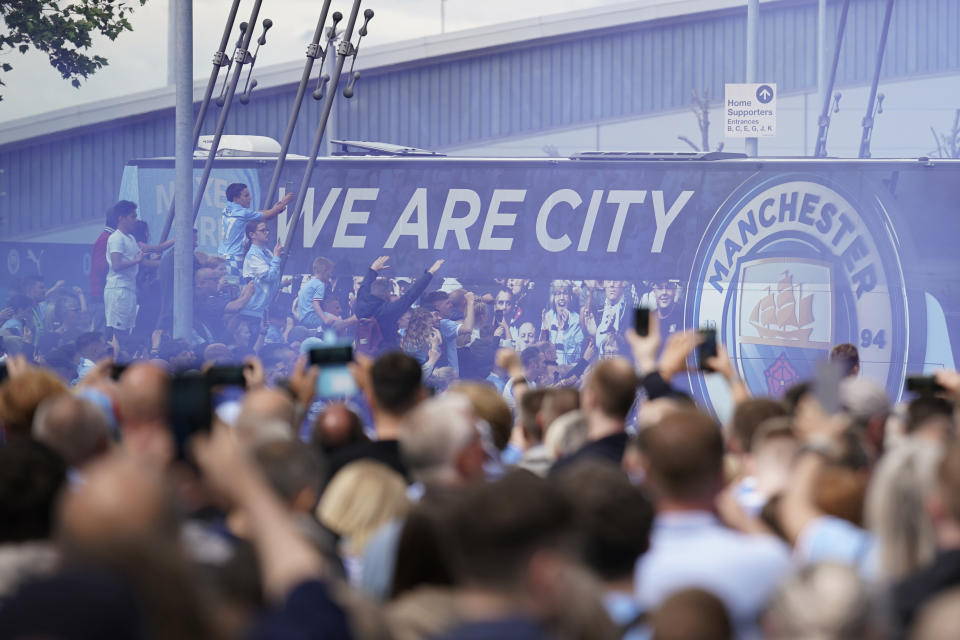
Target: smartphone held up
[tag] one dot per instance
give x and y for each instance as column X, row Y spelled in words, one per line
column 707, row 349
column 335, row 379
column 641, row 321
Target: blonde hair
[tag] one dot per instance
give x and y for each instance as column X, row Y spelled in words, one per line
column 321, row 265
column 566, row 434
column 362, row 497
column 895, row 511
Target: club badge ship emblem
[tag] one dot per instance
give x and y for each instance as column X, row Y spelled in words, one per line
column 790, row 266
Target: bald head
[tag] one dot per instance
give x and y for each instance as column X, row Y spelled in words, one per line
column 73, row 427
column 119, row 501
column 143, row 394
column 336, row 427
column 218, row 353
column 266, row 414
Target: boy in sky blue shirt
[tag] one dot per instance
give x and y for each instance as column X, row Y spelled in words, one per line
column 311, row 296
column 236, row 215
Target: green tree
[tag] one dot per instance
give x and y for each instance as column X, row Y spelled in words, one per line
column 63, row 29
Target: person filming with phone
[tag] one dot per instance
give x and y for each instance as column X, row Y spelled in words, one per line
column 262, row 266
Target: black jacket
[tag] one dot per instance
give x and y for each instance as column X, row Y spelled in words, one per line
column 388, row 313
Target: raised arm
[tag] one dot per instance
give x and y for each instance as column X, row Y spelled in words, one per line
column 286, row 558
column 163, row 246
column 819, row 432
column 466, row 327
column 275, row 210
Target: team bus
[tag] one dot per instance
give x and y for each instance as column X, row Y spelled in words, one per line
column 784, row 257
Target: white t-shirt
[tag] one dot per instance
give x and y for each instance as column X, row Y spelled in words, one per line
column 127, row 246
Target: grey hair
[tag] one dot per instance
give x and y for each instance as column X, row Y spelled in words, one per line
column 73, row 427
column 434, row 434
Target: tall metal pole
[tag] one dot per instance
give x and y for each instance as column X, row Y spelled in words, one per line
column 753, row 40
column 219, row 60
column 344, row 50
column 183, row 234
column 172, row 43
column 823, row 124
column 329, row 66
column 821, row 51
column 239, row 57
column 313, row 51
column 868, row 119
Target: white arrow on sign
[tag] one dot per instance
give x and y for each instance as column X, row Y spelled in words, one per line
column 765, row 94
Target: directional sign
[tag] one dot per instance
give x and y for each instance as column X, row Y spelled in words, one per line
column 750, row 110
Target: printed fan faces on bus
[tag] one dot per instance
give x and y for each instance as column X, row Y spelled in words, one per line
column 614, row 312
column 666, row 301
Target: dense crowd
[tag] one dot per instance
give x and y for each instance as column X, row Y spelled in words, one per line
column 516, row 463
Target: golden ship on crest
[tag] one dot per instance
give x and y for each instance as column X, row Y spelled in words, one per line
column 785, row 314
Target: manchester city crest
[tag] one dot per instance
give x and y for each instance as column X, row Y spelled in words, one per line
column 789, row 267
column 778, row 305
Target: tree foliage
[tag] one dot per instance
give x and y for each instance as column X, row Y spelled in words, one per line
column 63, row 29
column 701, row 109
column 948, row 144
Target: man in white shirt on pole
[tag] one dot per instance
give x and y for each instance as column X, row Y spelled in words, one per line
column 123, row 258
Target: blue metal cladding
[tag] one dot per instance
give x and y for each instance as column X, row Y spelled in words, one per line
column 522, row 88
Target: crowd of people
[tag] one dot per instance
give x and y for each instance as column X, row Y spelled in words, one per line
column 517, row 462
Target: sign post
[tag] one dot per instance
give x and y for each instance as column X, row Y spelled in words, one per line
column 750, row 110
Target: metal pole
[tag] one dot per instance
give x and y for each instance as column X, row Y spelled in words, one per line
column 171, row 43
column 238, row 60
column 753, row 39
column 443, row 16
column 312, row 53
column 183, row 234
column 329, row 65
column 821, row 51
column 868, row 119
column 218, row 61
column 344, row 49
column 824, row 121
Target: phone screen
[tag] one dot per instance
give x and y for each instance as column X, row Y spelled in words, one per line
column 191, row 409
column 289, row 187
column 335, row 379
column 641, row 321
column 923, row 385
column 226, row 375
column 707, row 348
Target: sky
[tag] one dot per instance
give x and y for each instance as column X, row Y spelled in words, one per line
column 138, row 59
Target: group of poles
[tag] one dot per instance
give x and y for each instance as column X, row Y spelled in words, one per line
column 327, row 86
